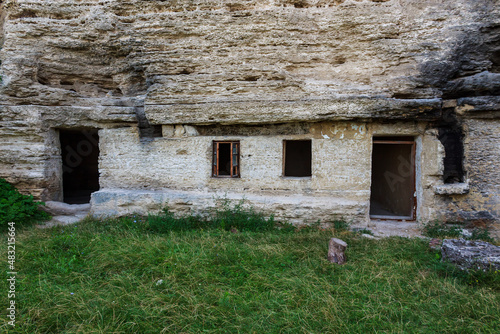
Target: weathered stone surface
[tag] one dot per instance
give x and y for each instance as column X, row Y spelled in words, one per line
column 452, row 189
column 296, row 209
column 481, row 84
column 482, row 203
column 471, row 254
column 314, row 110
column 259, row 71
column 185, row 52
column 479, row 107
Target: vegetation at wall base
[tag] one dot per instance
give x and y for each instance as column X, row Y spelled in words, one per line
column 437, row 229
column 18, row 208
column 227, row 216
column 123, row 276
column 363, row 231
column 341, row 225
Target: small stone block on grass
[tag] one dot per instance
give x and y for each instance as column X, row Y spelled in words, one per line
column 336, row 249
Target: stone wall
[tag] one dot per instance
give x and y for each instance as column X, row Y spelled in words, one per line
column 176, row 170
column 482, row 202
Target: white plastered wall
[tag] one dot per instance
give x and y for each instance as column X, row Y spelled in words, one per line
column 181, row 164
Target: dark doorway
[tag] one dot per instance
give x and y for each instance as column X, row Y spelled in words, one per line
column 297, row 158
column 80, row 154
column 393, row 178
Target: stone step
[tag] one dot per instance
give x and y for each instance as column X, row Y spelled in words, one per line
column 65, row 209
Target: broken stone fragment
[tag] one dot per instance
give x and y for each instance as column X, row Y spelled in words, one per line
column 336, row 249
column 471, row 254
column 167, row 131
column 435, row 244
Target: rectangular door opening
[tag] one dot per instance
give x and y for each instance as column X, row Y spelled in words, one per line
column 393, row 178
column 80, row 154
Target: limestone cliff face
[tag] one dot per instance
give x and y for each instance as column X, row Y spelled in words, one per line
column 108, row 64
column 178, row 53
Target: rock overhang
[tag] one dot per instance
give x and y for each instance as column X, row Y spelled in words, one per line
column 312, row 110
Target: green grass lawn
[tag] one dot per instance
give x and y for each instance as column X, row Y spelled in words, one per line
column 115, row 276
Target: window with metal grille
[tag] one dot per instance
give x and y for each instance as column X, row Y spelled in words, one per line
column 226, row 159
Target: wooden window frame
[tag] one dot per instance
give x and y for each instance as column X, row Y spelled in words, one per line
column 234, row 159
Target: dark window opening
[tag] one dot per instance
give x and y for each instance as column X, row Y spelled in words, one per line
column 393, row 179
column 80, row 154
column 451, row 135
column 452, row 140
column 226, row 159
column 297, row 158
